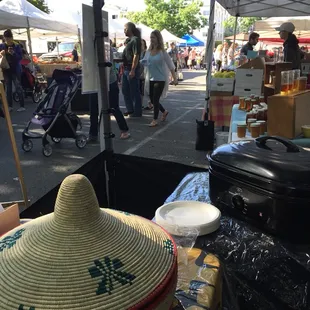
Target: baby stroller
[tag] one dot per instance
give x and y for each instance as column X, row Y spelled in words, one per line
column 33, row 86
column 52, row 114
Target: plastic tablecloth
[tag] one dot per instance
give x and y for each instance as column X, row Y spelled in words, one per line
column 260, row 271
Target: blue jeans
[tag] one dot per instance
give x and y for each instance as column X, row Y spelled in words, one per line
column 9, row 79
column 131, row 92
column 115, row 110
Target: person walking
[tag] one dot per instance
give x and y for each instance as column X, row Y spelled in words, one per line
column 142, row 76
column 13, row 53
column 158, row 63
column 131, row 75
column 114, row 107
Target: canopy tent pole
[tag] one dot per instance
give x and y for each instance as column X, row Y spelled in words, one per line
column 103, row 100
column 14, row 146
column 235, row 33
column 103, row 92
column 57, row 46
column 80, row 39
column 30, row 43
column 208, row 58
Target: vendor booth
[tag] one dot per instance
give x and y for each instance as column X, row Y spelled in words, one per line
column 235, row 235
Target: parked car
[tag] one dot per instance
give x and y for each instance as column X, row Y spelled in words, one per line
column 65, row 51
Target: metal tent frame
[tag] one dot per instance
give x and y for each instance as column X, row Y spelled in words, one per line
column 249, row 8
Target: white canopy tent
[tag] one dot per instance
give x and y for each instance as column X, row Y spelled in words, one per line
column 251, row 8
column 22, row 14
column 16, row 14
column 269, row 24
column 169, row 37
column 145, row 31
column 266, row 8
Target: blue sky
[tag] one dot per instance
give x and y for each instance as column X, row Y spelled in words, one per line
column 76, row 4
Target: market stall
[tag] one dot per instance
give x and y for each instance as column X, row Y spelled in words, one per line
column 258, row 247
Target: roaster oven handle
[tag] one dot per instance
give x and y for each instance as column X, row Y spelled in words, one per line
column 291, row 147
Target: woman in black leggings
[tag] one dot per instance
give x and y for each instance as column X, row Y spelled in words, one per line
column 158, row 64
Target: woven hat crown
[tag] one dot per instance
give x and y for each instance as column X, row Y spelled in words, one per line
column 76, row 202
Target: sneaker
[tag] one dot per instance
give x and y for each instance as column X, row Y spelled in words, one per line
column 92, row 139
column 21, row 109
column 127, row 113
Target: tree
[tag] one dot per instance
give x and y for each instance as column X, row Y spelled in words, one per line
column 40, row 4
column 244, row 25
column 176, row 16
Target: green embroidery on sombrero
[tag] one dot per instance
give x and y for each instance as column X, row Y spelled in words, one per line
column 169, row 246
column 109, row 273
column 126, row 213
column 22, row 307
column 9, row 241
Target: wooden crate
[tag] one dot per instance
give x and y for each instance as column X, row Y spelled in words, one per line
column 286, row 114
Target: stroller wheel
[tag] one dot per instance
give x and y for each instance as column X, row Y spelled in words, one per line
column 16, row 97
column 56, row 140
column 47, row 150
column 27, row 145
column 81, row 141
column 36, row 96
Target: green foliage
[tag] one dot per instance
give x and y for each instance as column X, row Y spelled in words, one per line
column 40, row 4
column 244, row 24
column 174, row 15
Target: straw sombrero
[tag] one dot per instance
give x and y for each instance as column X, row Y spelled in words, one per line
column 84, row 257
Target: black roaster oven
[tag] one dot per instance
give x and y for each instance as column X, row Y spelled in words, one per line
column 266, row 182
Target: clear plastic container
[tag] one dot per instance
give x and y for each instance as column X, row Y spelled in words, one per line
column 285, row 81
column 302, row 83
column 296, row 80
column 255, row 130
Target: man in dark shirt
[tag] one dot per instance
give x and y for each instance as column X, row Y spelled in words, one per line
column 291, row 50
column 131, row 76
column 253, row 40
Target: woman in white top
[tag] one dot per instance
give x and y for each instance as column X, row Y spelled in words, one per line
column 157, row 65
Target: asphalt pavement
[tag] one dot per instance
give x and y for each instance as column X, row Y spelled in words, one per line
column 173, row 140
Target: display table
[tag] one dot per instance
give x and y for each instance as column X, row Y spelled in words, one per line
column 240, row 116
column 236, row 117
column 260, row 271
column 220, row 109
column 48, row 69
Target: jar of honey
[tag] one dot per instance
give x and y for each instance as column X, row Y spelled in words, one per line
column 261, row 99
column 241, row 129
column 255, row 130
column 249, row 115
column 248, row 104
column 241, row 103
column 260, row 114
column 263, row 127
column 251, row 121
column 265, row 114
column 253, row 102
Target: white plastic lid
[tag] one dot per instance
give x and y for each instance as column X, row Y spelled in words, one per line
column 179, row 217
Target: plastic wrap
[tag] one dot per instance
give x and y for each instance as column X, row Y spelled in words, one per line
column 259, row 270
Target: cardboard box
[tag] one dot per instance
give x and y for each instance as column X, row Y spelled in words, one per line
column 246, row 91
column 222, row 84
column 9, row 219
column 286, row 114
column 250, row 78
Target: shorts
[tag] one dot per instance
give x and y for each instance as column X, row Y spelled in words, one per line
column 142, row 82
